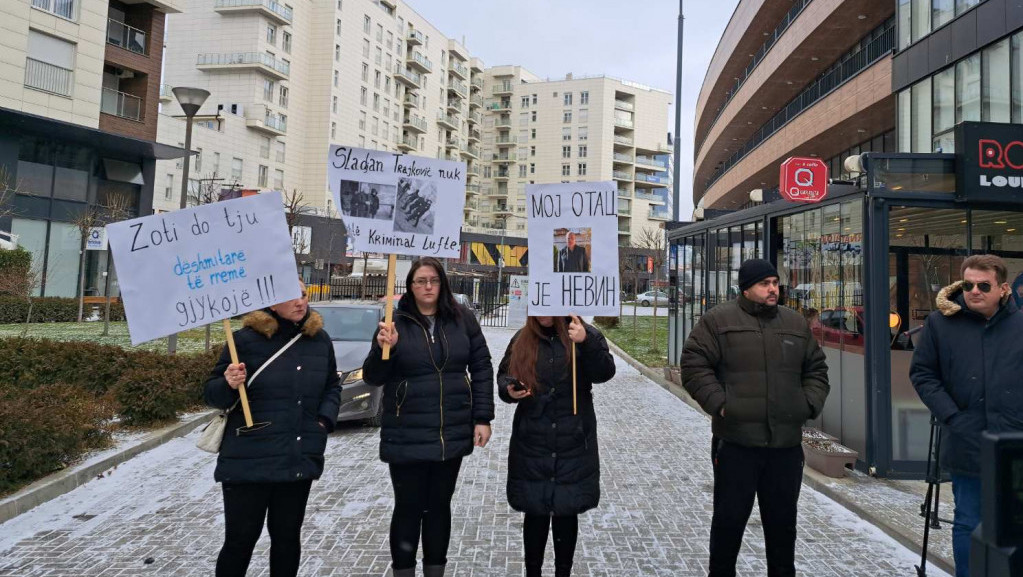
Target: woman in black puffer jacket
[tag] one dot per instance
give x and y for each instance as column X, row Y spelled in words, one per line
column 553, row 461
column 438, row 403
column 267, row 472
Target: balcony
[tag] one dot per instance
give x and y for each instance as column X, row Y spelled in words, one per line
column 475, row 135
column 454, row 142
column 459, row 88
column 504, row 158
column 624, row 209
column 649, row 163
column 245, row 60
column 276, row 12
column 392, row 4
column 123, row 36
column 459, row 70
column 473, row 170
column 47, row 77
column 475, row 101
column 652, row 198
column 476, row 84
column 502, row 106
column 411, row 100
column 622, row 105
column 651, row 180
column 623, row 158
column 414, row 38
column 472, row 151
column 506, row 141
column 623, row 140
column 165, row 93
column 472, row 204
column 473, row 189
column 624, row 228
column 620, row 175
column 658, row 214
column 404, row 74
column 447, row 121
column 503, row 176
column 268, row 123
column 408, row 143
column 622, row 193
column 418, row 61
column 503, row 89
column 624, row 123
column 414, row 122
column 454, row 105
column 120, row 104
column 475, row 118
column 504, row 121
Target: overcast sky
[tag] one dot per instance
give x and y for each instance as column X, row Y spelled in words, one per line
column 629, row 40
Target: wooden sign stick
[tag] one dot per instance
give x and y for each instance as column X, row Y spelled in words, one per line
column 229, row 335
column 575, row 409
column 389, row 311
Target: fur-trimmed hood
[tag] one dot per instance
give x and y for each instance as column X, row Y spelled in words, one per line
column 265, row 324
column 946, row 301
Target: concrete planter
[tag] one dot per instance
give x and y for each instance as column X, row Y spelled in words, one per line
column 829, row 457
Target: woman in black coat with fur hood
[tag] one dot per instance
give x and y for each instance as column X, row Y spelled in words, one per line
column 553, row 461
column 267, row 472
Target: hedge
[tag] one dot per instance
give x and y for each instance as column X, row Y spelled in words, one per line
column 60, row 399
column 14, row 310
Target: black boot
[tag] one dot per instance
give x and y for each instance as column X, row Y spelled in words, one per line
column 433, row 570
column 562, row 569
column 534, row 570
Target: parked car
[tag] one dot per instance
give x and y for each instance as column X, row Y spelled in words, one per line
column 650, row 297
column 351, row 327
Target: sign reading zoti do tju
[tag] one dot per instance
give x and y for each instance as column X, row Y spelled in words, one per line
column 803, row 179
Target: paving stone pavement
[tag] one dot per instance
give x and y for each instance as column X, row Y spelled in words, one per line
column 654, row 516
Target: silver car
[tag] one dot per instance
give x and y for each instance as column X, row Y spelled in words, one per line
column 351, row 327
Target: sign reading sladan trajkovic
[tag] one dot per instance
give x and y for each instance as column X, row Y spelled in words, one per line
column 573, row 249
column 398, row 204
column 192, row 267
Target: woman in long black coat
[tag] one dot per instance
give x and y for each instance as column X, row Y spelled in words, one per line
column 267, row 472
column 553, row 461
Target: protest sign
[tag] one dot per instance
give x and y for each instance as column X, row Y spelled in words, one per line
column 573, row 249
column 398, row 204
column 191, row 267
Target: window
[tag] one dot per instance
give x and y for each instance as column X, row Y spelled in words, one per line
column 333, row 129
column 582, row 169
column 566, row 170
column 584, row 97
column 280, row 150
column 271, row 34
column 333, row 104
column 584, row 132
column 278, row 179
column 376, row 79
column 995, row 83
column 339, row 4
column 268, row 90
column 1017, row 78
column 568, row 99
column 337, row 53
column 198, row 160
column 168, row 191
column 335, row 79
column 387, row 108
column 362, row 142
column 522, row 171
column 921, row 97
column 49, row 63
column 532, row 151
column 365, row 48
column 532, row 134
column 968, row 89
column 374, row 127
column 390, row 39
column 363, row 94
column 567, row 116
column 523, row 119
column 525, row 102
column 584, row 115
column 376, row 101
column 566, row 152
column 62, row 8
column 362, row 120
column 337, row 27
column 582, row 151
column 534, row 99
column 365, row 72
column 378, row 57
column 532, row 168
column 216, row 162
column 534, row 116
column 566, row 133
column 264, row 173
column 286, row 42
column 366, row 23
column 236, row 168
column 380, row 33
column 283, row 99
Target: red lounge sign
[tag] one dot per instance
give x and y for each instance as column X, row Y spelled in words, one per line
column 989, row 160
column 803, row 180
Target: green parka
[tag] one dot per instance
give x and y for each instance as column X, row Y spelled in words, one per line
column 760, row 364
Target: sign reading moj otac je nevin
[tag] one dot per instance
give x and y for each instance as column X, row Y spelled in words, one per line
column 396, row 203
column 573, row 249
column 191, row 267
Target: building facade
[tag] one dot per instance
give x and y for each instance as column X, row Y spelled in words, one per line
column 79, row 98
column 294, row 79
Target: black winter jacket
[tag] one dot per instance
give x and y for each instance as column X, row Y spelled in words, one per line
column 968, row 372
column 553, row 460
column 762, row 365
column 437, row 387
column 294, row 394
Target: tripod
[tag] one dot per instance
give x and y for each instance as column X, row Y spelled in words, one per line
column 929, row 508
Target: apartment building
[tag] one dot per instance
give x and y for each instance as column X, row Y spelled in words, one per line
column 79, row 98
column 286, row 81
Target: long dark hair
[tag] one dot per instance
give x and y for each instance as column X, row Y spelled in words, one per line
column 446, row 308
column 522, row 365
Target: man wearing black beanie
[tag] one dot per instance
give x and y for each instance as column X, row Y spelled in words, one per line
column 755, row 367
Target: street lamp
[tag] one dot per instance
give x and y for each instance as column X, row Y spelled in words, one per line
column 190, row 100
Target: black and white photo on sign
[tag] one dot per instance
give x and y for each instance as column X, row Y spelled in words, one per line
column 367, row 200
column 416, row 200
column 572, row 248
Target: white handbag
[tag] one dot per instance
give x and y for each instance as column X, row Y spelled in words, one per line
column 213, row 434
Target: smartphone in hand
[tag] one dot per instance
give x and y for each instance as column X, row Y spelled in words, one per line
column 516, row 385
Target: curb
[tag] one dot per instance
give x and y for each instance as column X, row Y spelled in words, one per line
column 811, row 478
column 55, row 485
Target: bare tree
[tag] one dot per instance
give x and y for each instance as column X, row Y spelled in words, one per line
column 8, row 188
column 92, row 216
column 202, row 191
column 294, row 207
column 653, row 240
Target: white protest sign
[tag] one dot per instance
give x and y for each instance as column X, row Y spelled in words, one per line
column 192, row 267
column 518, row 295
column 97, row 239
column 398, row 204
column 573, row 249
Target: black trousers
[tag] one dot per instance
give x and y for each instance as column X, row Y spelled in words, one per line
column 774, row 477
column 246, row 506
column 534, row 538
column 422, row 507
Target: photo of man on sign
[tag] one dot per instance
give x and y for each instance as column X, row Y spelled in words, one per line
column 572, row 246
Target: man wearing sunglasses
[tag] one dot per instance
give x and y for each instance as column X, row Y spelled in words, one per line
column 966, row 369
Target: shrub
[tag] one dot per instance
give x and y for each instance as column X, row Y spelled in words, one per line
column 45, row 429
column 44, row 310
column 33, row 362
column 606, row 322
column 145, row 396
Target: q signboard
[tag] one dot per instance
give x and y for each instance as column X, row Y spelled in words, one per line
column 803, row 180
